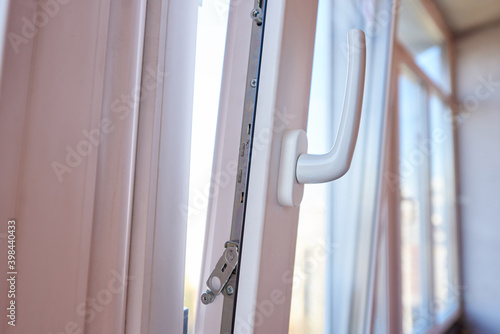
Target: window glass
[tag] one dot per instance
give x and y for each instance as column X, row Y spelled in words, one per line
column 443, row 220
column 413, row 206
column 4, row 8
column 210, row 45
column 427, row 206
column 418, row 33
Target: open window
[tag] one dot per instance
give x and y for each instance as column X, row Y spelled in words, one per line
column 320, row 275
column 332, row 271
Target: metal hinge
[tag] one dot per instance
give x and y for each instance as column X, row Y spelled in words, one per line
column 218, row 279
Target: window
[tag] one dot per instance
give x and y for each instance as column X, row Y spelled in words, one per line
column 426, row 172
column 443, row 219
column 340, row 239
column 413, row 206
column 420, row 35
column 337, row 223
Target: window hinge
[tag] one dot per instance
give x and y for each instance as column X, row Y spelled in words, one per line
column 218, row 279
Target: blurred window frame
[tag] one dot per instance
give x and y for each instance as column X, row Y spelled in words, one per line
column 402, row 58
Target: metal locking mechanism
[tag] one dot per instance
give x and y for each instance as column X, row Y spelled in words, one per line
column 224, row 278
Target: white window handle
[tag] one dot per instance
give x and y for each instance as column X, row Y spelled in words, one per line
column 297, row 167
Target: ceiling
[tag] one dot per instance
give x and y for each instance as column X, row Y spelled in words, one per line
column 465, row 15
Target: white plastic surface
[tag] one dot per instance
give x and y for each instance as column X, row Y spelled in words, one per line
column 334, row 164
column 297, row 168
column 290, row 191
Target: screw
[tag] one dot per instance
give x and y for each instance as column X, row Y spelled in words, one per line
column 207, row 297
column 253, row 83
column 230, row 290
column 256, row 15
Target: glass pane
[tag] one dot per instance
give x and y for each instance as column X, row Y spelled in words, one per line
column 336, row 224
column 308, row 297
column 418, row 33
column 210, row 45
column 4, row 7
column 446, row 294
column 414, row 211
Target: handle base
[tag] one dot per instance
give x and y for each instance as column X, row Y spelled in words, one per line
column 290, row 191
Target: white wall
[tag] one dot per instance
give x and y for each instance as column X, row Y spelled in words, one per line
column 478, row 60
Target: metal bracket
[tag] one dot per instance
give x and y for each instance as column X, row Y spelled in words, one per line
column 223, row 270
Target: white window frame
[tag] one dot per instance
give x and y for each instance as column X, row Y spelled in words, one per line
column 286, row 43
column 126, row 69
